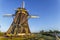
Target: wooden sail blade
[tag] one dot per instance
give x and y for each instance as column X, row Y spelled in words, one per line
column 8, row 15
column 33, row 16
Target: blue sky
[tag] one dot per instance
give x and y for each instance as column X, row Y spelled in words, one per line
column 47, row 10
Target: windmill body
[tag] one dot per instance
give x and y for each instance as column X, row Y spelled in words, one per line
column 19, row 25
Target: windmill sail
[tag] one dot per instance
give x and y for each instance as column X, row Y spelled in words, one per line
column 23, row 4
column 33, row 16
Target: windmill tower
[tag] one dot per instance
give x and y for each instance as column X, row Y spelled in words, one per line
column 20, row 25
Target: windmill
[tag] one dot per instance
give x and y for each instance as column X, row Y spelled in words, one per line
column 20, row 25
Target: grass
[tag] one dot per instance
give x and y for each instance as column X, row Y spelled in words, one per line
column 3, row 39
column 41, row 38
column 34, row 37
column 1, row 33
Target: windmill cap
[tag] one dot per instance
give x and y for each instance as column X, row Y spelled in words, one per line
column 23, row 10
